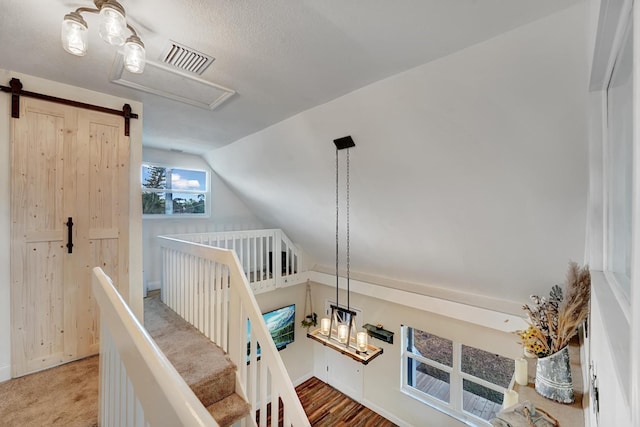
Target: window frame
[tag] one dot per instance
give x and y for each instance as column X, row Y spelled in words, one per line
column 619, row 283
column 170, row 167
column 454, row 407
column 623, row 306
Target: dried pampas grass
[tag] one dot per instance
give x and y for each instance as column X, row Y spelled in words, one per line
column 575, row 306
column 555, row 319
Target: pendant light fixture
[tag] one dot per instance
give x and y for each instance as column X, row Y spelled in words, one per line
column 339, row 330
column 113, row 30
column 112, row 23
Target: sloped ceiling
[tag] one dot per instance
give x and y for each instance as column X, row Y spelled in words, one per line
column 281, row 56
column 469, row 173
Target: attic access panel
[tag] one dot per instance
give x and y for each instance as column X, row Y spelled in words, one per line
column 170, row 83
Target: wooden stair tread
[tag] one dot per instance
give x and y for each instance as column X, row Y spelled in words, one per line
column 229, row 410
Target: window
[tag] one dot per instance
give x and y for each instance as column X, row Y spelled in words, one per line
column 174, row 191
column 619, row 168
column 464, row 382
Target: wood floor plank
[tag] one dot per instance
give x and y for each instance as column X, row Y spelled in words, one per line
column 327, row 407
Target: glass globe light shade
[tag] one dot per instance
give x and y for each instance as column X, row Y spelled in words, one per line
column 134, row 55
column 74, row 34
column 113, row 24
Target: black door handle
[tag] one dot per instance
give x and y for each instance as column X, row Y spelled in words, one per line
column 70, row 235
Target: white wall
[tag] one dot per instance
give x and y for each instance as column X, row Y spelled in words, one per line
column 298, row 356
column 48, row 87
column 227, row 212
column 469, row 172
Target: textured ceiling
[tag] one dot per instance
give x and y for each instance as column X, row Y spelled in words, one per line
column 282, row 57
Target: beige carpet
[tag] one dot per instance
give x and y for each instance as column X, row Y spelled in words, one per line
column 63, row 396
column 67, row 395
column 204, row 366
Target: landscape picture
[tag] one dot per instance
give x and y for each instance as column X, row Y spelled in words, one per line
column 281, row 324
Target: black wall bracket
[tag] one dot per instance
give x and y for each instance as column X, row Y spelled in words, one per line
column 379, row 333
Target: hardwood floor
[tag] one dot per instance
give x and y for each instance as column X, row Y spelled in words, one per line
column 327, row 407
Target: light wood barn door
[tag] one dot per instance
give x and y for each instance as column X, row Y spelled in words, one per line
column 40, row 144
column 66, row 162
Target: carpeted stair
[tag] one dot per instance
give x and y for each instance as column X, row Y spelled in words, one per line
column 204, row 366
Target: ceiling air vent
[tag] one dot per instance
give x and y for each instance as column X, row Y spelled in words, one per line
column 185, row 58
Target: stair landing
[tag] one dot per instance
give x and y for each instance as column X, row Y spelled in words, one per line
column 205, row 367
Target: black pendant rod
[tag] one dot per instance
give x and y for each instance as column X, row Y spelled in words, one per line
column 345, row 142
column 348, row 240
column 337, row 229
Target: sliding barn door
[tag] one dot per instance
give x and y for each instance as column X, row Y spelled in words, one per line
column 66, row 163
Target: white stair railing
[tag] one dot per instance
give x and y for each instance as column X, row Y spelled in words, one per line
column 209, row 288
column 255, row 250
column 138, row 385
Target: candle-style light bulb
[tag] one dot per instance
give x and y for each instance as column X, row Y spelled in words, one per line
column 343, row 332
column 362, row 341
column 325, row 324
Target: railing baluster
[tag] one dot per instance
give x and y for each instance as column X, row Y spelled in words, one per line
column 131, row 405
column 200, row 299
column 261, row 259
column 135, row 374
column 213, row 287
column 206, row 297
column 218, row 337
column 271, row 263
column 275, row 405
column 174, row 277
column 244, row 338
column 193, row 291
column 186, row 274
column 167, row 292
column 224, row 339
column 252, row 392
column 263, row 394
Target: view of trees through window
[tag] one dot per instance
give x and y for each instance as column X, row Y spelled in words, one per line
column 172, row 191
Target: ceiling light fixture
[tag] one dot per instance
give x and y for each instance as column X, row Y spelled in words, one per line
column 113, row 26
column 339, row 331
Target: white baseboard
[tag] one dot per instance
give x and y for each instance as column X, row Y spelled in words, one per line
column 153, row 285
column 302, row 379
column 5, row 373
column 385, row 413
